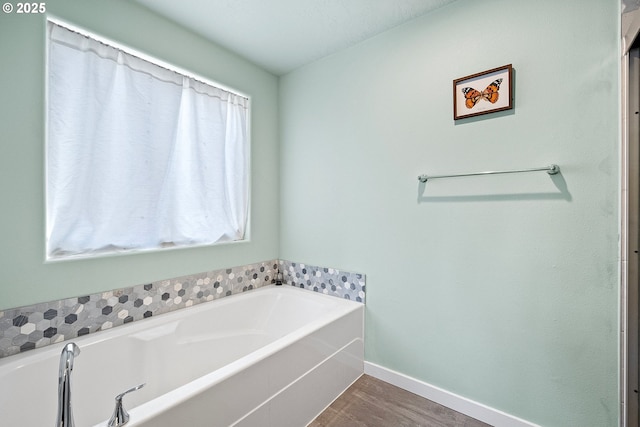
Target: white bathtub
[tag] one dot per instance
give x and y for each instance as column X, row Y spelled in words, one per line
column 276, row 356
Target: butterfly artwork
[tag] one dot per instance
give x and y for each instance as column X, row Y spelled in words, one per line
column 482, row 93
column 473, row 96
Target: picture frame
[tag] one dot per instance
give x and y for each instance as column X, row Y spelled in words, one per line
column 483, row 93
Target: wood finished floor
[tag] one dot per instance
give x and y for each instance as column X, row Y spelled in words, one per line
column 370, row 402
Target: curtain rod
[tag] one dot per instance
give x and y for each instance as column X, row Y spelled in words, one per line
column 551, row 170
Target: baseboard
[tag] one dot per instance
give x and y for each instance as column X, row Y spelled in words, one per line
column 458, row 403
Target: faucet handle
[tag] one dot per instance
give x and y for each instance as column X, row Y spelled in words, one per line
column 138, row 387
column 120, row 416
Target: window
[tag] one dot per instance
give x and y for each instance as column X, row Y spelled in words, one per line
column 139, row 156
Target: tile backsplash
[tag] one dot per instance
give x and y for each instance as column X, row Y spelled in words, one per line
column 330, row 281
column 39, row 325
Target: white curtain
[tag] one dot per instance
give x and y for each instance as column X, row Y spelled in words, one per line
column 139, row 156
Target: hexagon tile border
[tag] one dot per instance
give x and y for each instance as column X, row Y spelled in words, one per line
column 325, row 280
column 39, row 325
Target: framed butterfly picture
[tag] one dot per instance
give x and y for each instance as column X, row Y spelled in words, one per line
column 483, row 93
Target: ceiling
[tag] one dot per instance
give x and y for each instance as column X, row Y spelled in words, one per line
column 282, row 35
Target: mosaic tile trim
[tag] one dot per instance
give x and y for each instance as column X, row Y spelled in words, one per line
column 39, row 325
column 329, row 281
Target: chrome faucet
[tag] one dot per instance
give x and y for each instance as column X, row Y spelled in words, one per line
column 120, row 416
column 65, row 417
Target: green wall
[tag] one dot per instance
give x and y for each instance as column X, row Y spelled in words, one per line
column 502, row 289
column 26, row 279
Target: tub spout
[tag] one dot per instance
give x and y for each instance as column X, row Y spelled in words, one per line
column 65, row 416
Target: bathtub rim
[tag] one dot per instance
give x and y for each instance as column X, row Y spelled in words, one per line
column 158, row 320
